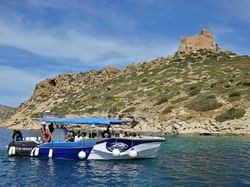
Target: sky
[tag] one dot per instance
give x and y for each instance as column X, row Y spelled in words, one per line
column 40, row 39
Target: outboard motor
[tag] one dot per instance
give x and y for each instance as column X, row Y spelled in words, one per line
column 21, row 148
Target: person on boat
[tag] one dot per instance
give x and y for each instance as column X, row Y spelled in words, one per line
column 17, row 135
column 78, row 137
column 45, row 135
column 84, row 135
column 121, row 134
column 126, row 134
column 110, row 132
column 70, row 137
column 106, row 133
column 51, row 127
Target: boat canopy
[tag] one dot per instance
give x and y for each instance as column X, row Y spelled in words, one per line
column 83, row 121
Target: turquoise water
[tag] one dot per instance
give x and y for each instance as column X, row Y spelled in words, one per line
column 182, row 161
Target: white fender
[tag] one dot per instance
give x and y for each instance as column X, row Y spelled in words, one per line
column 50, row 153
column 36, row 152
column 32, row 152
column 11, row 151
column 81, row 155
column 132, row 153
column 116, row 152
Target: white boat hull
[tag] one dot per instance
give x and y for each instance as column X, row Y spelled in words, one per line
column 143, row 150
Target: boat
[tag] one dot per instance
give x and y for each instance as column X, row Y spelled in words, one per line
column 94, row 148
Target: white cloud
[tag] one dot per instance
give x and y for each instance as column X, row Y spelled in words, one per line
column 16, row 84
column 68, row 40
column 69, row 43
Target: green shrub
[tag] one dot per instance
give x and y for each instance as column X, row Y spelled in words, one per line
column 167, row 110
column 232, row 113
column 91, row 110
column 212, row 85
column 193, row 90
column 144, row 80
column 234, row 96
column 36, row 115
column 130, row 109
column 162, row 99
column 179, row 100
column 118, row 106
column 204, row 103
column 246, row 84
column 109, row 97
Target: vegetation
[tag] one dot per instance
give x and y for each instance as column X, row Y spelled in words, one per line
column 167, row 110
column 162, row 99
column 204, row 103
column 233, row 113
column 201, row 82
column 130, row 109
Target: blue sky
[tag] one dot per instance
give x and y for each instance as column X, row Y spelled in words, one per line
column 44, row 38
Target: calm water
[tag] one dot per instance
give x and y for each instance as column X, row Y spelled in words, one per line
column 182, row 161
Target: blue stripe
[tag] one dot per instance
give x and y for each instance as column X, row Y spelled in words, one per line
column 82, row 144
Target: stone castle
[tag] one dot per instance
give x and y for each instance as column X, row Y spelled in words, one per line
column 204, row 40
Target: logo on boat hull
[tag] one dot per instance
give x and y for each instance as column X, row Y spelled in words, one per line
column 117, row 145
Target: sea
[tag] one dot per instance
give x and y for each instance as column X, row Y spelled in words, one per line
column 182, row 161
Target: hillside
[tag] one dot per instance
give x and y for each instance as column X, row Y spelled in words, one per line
column 201, row 90
column 5, row 112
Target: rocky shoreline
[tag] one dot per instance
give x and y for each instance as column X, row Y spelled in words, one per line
column 201, row 127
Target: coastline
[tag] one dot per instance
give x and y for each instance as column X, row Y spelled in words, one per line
column 155, row 133
column 200, row 126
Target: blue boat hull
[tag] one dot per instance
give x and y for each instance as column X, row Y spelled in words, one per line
column 104, row 149
column 65, row 149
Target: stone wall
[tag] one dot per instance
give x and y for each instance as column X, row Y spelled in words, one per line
column 204, row 40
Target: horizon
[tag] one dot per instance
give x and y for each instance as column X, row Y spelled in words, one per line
column 41, row 39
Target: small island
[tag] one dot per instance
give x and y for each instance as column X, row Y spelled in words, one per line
column 201, row 89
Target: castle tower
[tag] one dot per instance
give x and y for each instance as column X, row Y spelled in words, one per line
column 204, row 40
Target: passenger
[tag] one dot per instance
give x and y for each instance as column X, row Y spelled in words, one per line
column 138, row 135
column 70, row 137
column 125, row 134
column 92, row 135
column 106, row 134
column 109, row 131
column 51, row 128
column 17, row 135
column 84, row 135
column 78, row 137
column 45, row 135
column 121, row 134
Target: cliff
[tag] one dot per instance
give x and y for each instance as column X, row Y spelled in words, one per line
column 201, row 89
column 6, row 112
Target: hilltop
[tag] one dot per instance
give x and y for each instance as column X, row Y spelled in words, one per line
column 200, row 89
